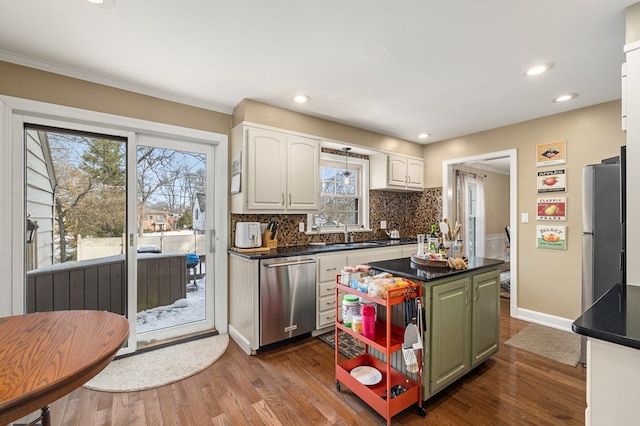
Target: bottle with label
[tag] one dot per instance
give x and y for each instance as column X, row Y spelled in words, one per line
column 442, row 250
column 432, row 240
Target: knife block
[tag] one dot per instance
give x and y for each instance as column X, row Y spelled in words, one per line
column 269, row 240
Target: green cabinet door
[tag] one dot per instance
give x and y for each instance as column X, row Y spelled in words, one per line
column 450, row 332
column 485, row 327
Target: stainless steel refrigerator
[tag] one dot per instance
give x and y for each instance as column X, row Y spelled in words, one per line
column 602, row 230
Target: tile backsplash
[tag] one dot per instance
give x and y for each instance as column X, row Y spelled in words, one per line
column 411, row 213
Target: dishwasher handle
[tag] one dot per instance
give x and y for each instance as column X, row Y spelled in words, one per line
column 292, row 263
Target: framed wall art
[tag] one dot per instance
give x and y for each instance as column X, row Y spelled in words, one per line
column 551, row 153
column 552, row 208
column 552, row 181
column 551, row 237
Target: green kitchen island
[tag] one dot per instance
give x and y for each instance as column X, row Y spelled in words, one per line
column 462, row 317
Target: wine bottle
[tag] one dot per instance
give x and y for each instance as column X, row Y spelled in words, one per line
column 432, row 240
column 442, row 249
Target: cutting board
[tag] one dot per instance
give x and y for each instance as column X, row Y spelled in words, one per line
column 253, row 250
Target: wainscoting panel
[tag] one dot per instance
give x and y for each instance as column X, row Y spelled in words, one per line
column 495, row 246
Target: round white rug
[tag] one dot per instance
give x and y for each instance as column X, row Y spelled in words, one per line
column 159, row 367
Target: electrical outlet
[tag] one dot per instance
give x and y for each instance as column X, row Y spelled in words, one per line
column 525, row 217
column 301, row 227
column 383, row 224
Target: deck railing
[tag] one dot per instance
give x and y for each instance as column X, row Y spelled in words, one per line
column 100, row 284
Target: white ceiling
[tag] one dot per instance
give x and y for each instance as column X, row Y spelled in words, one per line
column 447, row 67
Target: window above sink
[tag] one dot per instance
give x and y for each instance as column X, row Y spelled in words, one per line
column 341, row 201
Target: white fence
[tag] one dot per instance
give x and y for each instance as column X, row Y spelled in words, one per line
column 167, row 242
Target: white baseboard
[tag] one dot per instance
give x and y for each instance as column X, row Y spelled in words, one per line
column 244, row 344
column 547, row 320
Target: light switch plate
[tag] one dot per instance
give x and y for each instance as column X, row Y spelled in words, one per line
column 525, row 217
column 301, row 227
column 383, row 224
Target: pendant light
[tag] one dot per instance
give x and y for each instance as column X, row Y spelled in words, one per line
column 347, row 173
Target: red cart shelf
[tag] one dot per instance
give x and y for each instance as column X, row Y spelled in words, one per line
column 388, row 339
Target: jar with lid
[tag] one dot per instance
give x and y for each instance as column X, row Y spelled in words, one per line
column 356, row 324
column 457, row 249
column 350, row 307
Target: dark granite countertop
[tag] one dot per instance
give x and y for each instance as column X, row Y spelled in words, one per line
column 313, row 249
column 406, row 268
column 615, row 317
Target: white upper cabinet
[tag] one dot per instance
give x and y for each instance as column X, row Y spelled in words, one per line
column 303, row 173
column 397, row 173
column 280, row 173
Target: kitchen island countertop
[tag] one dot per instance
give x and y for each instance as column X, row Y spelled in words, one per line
column 404, row 267
column 614, row 318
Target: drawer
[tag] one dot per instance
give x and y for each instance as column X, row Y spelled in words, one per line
column 327, row 303
column 327, row 289
column 326, row 319
column 329, row 266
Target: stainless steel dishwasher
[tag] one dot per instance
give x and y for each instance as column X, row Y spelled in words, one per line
column 287, row 298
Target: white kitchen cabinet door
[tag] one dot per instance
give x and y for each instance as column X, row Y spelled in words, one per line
column 303, row 174
column 266, row 174
column 283, row 172
column 415, row 173
column 397, row 167
column 396, row 173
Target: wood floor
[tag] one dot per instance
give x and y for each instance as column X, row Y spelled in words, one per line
column 295, row 385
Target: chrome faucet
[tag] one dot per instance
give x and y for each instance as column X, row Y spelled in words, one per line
column 346, row 232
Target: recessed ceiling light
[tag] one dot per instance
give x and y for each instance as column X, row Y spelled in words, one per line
column 538, row 69
column 565, row 98
column 423, row 135
column 301, row 99
column 103, row 4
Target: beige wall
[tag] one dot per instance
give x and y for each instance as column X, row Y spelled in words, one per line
column 259, row 113
column 29, row 83
column 548, row 280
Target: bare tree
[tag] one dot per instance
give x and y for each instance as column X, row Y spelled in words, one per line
column 154, row 169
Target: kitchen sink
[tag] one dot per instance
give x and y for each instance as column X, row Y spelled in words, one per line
column 361, row 244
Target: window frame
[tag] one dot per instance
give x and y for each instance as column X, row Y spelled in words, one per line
column 360, row 166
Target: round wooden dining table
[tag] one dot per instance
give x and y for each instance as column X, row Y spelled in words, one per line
column 46, row 355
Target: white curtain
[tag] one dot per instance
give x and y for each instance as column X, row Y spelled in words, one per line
column 463, row 179
column 461, row 202
column 480, row 216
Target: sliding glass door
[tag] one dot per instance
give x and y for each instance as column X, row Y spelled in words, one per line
column 175, row 277
column 122, row 222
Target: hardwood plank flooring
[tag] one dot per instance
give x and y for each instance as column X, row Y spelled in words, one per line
column 295, row 385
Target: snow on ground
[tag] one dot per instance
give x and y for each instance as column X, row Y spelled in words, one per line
column 182, row 311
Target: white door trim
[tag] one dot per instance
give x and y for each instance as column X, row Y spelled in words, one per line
column 11, row 189
column 447, row 200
